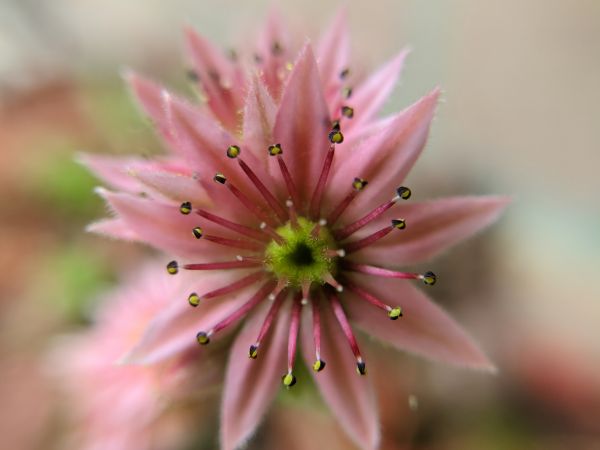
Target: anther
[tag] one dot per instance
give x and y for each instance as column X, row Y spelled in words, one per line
column 220, row 178
column 394, row 313
column 275, row 150
column 328, row 278
column 429, row 278
column 359, row 184
column 197, row 231
column 336, row 137
column 319, row 365
column 185, row 208
column 194, row 299
column 203, row 338
column 347, row 92
column 348, row 112
column 276, row 48
column 403, row 192
column 253, row 351
column 288, row 380
column 335, row 125
column 172, row 267
column 344, row 73
column 233, row 151
column 361, row 367
column 399, row 224
column 192, row 75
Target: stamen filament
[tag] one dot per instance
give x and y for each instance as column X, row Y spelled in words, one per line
column 244, row 309
column 316, row 327
column 271, row 232
column 223, row 265
column 264, row 329
column 428, row 278
column 365, row 220
column 340, row 315
column 328, row 278
column 337, row 212
column 317, row 228
column 281, row 285
column 292, row 213
column 248, row 204
column 365, row 242
column 270, row 198
column 241, row 229
column 293, row 335
column 289, row 182
column 235, row 286
column 235, row 243
column 367, row 296
column 315, row 204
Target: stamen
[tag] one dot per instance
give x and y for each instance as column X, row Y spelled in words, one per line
column 172, row 267
column 319, row 363
column 246, row 281
column 403, row 192
column 429, row 278
column 233, row 151
column 273, row 310
column 331, row 253
column 222, row 265
column 397, row 224
column 241, row 229
column 248, row 204
column 328, row 278
column 365, row 220
column 275, row 150
column 185, row 208
column 393, row 313
column 204, row 337
column 271, row 232
column 317, row 228
column 281, row 285
column 305, row 292
column 292, row 213
column 336, row 136
column 347, row 92
column 358, row 185
column 347, row 329
column 270, row 198
column 289, row 379
column 315, row 204
column 344, row 73
column 235, row 243
column 348, row 112
column 194, row 299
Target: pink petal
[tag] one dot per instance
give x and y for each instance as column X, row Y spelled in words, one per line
column 113, row 170
column 164, row 227
column 302, row 124
column 174, row 330
column 173, row 186
column 383, row 159
column 259, row 119
column 251, row 385
column 349, row 395
column 370, row 95
column 425, row 329
column 220, row 78
column 114, row 228
column 333, row 55
column 432, row 227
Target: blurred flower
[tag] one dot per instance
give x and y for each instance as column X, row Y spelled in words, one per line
column 286, row 178
column 119, row 406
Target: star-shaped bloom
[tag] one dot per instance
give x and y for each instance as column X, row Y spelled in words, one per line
column 284, row 191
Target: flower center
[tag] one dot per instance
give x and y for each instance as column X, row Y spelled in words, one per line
column 303, row 256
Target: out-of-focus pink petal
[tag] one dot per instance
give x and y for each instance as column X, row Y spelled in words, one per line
column 432, row 227
column 174, row 186
column 251, row 384
column 302, row 124
column 174, row 330
column 425, row 329
column 113, row 170
column 220, row 78
column 114, row 228
column 333, row 53
column 384, row 159
column 259, row 118
column 349, row 395
column 370, row 95
column 164, row 227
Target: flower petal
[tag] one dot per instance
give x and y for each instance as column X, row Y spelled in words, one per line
column 369, row 96
column 425, row 328
column 114, row 228
column 164, row 227
column 113, row 170
column 259, row 118
column 349, row 396
column 173, row 186
column 174, row 329
column 220, row 78
column 333, row 55
column 302, row 124
column 251, row 384
column 383, row 159
column 432, row 227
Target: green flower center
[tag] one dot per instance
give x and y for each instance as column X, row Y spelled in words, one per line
column 304, row 255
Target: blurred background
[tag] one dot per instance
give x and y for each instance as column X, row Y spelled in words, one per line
column 520, row 116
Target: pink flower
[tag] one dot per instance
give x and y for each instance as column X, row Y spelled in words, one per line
column 286, row 189
column 118, row 406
